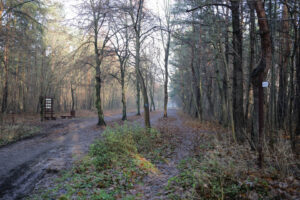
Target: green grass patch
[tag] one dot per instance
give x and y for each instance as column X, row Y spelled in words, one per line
column 12, row 133
column 116, row 162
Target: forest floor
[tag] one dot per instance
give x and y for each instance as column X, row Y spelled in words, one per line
column 180, row 158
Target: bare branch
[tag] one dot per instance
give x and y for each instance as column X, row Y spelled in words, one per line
column 207, row 5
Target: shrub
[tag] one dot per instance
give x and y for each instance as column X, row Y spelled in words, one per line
column 120, row 143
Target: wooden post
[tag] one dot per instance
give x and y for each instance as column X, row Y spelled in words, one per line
column 42, row 108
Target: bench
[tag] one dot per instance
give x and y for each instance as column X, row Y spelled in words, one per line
column 66, row 116
column 49, row 118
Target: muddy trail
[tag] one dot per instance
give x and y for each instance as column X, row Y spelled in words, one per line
column 26, row 163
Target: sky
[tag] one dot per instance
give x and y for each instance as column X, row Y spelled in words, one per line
column 155, row 5
column 70, row 11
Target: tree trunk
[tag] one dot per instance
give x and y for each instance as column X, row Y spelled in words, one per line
column 225, row 81
column 199, row 97
column 124, row 114
column 291, row 95
column 272, row 104
column 5, row 93
column 6, row 67
column 225, row 78
column 140, row 79
column 282, row 95
column 167, row 49
column 252, row 51
column 146, row 104
column 296, row 143
column 73, row 98
column 1, row 11
column 101, row 121
column 237, row 87
column 98, row 61
column 138, row 95
column 259, row 73
column 142, row 83
column 151, row 91
column 195, row 85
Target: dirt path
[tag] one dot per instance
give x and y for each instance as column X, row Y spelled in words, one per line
column 153, row 186
column 60, row 143
column 33, row 162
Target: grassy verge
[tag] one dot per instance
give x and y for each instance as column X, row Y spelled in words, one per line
column 210, row 177
column 13, row 133
column 123, row 156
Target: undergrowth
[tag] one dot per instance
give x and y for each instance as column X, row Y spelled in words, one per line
column 12, row 133
column 212, row 176
column 121, row 158
column 222, row 169
column 209, row 179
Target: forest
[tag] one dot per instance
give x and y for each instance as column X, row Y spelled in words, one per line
column 149, row 99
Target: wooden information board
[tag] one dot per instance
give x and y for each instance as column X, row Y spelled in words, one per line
column 47, row 111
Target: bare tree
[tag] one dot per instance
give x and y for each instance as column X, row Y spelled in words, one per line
column 96, row 15
column 137, row 14
column 120, row 43
column 166, row 40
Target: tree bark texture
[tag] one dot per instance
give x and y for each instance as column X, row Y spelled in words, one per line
column 166, row 97
column 101, row 121
column 124, row 114
column 297, row 99
column 285, row 44
column 260, row 72
column 237, row 84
